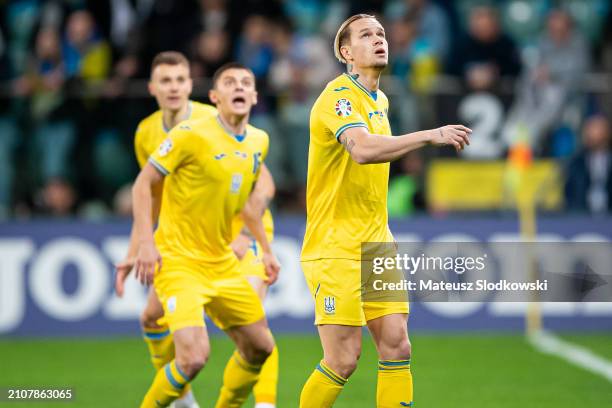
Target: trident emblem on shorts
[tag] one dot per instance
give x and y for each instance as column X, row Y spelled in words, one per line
column 330, row 304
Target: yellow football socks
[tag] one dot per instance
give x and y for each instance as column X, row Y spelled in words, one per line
column 161, row 346
column 265, row 389
column 239, row 378
column 394, row 388
column 322, row 388
column 167, row 386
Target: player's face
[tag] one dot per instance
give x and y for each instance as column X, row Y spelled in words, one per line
column 368, row 46
column 171, row 86
column 234, row 92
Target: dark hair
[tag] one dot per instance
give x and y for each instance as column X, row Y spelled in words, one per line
column 225, row 67
column 169, row 58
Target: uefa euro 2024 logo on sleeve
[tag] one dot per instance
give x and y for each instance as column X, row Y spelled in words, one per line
column 330, row 304
column 343, row 108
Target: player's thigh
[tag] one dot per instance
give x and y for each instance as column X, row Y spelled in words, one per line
column 335, row 285
column 153, row 310
column 390, row 335
column 254, row 341
column 235, row 303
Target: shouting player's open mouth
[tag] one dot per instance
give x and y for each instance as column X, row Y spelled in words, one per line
column 239, row 101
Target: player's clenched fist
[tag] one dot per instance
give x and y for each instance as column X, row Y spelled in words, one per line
column 272, row 267
column 147, row 260
column 457, row 136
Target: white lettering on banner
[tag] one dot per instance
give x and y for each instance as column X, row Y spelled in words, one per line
column 134, row 298
column 46, row 279
column 14, row 253
column 290, row 295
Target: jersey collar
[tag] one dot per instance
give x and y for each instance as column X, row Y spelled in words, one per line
column 236, row 137
column 187, row 116
column 371, row 94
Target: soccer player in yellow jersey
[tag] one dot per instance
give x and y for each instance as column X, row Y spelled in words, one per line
column 171, row 85
column 348, row 170
column 212, row 165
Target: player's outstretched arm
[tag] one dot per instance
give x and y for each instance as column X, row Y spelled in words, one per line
column 147, row 257
column 251, row 215
column 367, row 148
column 124, row 267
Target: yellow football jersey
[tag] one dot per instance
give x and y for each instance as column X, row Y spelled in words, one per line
column 210, row 174
column 151, row 130
column 346, row 202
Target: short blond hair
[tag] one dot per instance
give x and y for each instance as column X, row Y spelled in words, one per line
column 344, row 34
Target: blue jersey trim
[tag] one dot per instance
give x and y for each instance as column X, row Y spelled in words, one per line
column 348, row 126
column 159, row 167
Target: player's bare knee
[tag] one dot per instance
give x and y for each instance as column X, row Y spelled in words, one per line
column 396, row 349
column 345, row 363
column 258, row 352
column 192, row 362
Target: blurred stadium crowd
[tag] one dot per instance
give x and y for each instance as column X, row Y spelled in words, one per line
column 73, row 79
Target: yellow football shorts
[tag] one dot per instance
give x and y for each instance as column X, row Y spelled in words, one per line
column 251, row 264
column 335, row 285
column 187, row 289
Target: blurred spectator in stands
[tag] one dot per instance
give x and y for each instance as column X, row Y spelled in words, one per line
column 86, row 55
column 54, row 131
column 412, row 57
column 482, row 58
column 214, row 16
column 57, row 198
column 589, row 174
column 408, row 65
column 211, row 51
column 432, row 27
column 550, row 87
column 254, row 49
column 486, row 53
column 302, row 64
column 169, row 25
column 406, row 187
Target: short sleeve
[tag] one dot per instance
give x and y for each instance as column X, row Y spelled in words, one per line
column 139, row 147
column 338, row 112
column 177, row 149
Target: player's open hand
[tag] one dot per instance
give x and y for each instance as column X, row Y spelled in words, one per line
column 457, row 136
column 147, row 260
column 241, row 245
column 122, row 269
column 272, row 267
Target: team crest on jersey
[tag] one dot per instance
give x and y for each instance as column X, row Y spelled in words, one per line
column 343, row 108
column 236, row 182
column 330, row 304
column 165, row 147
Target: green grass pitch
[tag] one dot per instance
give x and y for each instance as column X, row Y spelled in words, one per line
column 449, row 370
